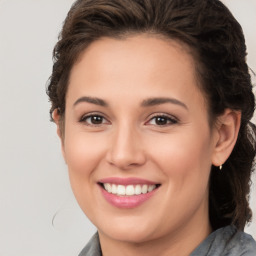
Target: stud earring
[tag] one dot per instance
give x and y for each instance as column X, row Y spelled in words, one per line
column 220, row 167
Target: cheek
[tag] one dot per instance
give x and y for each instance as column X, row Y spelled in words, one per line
column 83, row 153
column 185, row 157
column 185, row 160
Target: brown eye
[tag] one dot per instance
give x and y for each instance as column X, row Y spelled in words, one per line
column 162, row 120
column 94, row 120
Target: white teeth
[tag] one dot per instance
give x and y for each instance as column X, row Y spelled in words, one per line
column 108, row 187
column 129, row 190
column 114, row 189
column 121, row 190
column 151, row 188
column 137, row 190
column 144, row 189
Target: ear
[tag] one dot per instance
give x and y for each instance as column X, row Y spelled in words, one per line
column 227, row 128
column 56, row 118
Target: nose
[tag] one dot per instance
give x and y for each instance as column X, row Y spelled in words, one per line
column 125, row 149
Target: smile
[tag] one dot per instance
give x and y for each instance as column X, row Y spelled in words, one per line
column 128, row 190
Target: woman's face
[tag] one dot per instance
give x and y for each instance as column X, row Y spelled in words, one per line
column 136, row 123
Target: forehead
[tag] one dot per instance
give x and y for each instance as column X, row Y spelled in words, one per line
column 150, row 45
column 146, row 63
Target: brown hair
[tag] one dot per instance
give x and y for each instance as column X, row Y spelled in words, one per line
column 217, row 43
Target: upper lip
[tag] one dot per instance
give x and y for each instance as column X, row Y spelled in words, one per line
column 126, row 181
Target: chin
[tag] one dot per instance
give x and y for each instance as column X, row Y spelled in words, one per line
column 129, row 231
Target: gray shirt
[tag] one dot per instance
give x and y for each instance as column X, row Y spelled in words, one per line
column 225, row 241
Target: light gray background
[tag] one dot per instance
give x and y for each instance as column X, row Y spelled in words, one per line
column 34, row 186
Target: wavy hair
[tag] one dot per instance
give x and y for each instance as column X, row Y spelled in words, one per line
column 217, row 44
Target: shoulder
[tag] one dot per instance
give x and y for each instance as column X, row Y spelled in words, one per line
column 241, row 244
column 92, row 248
column 227, row 241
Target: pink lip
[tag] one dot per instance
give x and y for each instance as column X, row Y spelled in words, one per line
column 126, row 202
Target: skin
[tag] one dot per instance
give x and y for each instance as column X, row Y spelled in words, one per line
column 129, row 142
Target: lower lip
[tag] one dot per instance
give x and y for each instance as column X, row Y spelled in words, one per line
column 127, row 201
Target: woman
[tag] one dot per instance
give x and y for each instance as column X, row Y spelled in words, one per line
column 152, row 101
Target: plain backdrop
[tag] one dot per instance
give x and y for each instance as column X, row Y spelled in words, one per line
column 38, row 213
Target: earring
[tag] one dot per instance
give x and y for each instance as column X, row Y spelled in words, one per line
column 220, row 167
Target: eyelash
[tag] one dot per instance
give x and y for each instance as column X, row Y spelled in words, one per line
column 86, row 117
column 169, row 120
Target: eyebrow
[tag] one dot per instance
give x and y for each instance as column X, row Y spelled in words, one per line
column 158, row 101
column 92, row 100
column 145, row 103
